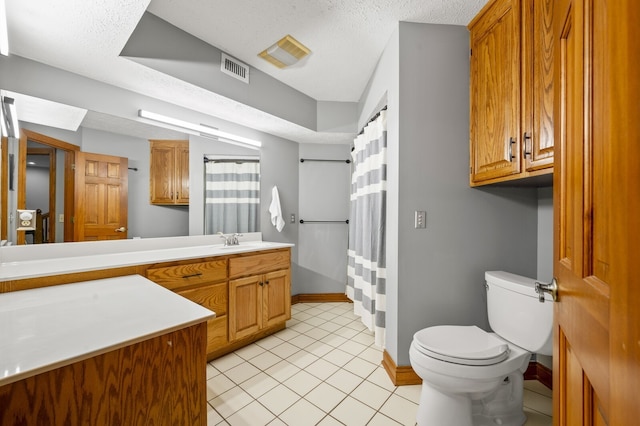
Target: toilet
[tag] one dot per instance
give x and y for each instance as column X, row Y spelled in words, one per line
column 471, row 377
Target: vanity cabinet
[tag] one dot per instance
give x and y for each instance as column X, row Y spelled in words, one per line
column 204, row 283
column 511, row 128
column 249, row 292
column 259, row 294
column 169, row 173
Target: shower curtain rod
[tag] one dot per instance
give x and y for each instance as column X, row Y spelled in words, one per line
column 376, row 115
column 324, row 221
column 244, row 160
column 302, row 160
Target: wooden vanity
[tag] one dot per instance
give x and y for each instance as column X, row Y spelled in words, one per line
column 113, row 351
column 248, row 286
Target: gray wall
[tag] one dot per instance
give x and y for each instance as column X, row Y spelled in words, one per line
column 439, row 274
column 545, row 234
column 324, row 195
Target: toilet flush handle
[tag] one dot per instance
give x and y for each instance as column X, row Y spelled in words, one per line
column 551, row 288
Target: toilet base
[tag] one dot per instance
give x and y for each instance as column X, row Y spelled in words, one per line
column 501, row 406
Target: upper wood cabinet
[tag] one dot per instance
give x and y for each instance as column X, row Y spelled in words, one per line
column 511, row 91
column 169, row 175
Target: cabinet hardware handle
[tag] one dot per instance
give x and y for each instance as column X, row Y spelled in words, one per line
column 266, row 282
column 197, row 274
column 261, row 283
column 527, row 142
column 512, row 142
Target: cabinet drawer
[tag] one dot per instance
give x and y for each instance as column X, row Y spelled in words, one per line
column 258, row 263
column 174, row 277
column 212, row 297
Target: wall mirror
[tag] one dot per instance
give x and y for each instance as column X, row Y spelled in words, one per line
column 55, row 148
column 232, row 194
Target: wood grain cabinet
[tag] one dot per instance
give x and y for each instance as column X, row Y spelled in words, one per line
column 169, row 173
column 261, row 297
column 511, row 128
column 250, row 294
column 204, row 283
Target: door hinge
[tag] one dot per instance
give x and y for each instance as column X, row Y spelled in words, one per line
column 73, row 219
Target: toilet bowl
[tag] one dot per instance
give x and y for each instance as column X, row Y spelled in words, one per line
column 474, row 377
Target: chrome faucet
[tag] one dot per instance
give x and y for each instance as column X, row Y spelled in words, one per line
column 230, row 240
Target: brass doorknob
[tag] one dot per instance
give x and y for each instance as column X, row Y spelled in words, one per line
column 121, row 229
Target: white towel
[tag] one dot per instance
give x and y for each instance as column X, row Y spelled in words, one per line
column 276, row 210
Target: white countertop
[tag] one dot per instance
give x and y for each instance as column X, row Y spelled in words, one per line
column 50, row 327
column 66, row 258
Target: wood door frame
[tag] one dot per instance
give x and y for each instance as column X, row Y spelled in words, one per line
column 70, row 149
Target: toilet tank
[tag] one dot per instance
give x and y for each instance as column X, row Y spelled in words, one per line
column 516, row 314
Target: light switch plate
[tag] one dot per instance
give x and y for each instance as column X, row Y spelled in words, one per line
column 420, row 219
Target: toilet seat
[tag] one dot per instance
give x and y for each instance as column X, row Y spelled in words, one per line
column 466, row 345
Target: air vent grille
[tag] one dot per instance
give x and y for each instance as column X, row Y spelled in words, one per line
column 234, row 68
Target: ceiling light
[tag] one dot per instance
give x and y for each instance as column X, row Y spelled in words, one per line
column 200, row 130
column 47, row 113
column 4, row 32
column 285, row 52
column 10, row 125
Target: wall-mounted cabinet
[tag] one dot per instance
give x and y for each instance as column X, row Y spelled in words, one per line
column 511, row 91
column 169, row 174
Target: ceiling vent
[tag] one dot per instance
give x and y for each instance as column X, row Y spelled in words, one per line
column 234, row 68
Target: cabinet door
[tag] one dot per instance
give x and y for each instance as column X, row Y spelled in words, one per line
column 276, row 298
column 537, row 91
column 214, row 297
column 245, row 306
column 495, row 92
column 182, row 174
column 161, row 178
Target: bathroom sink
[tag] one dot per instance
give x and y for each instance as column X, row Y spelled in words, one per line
column 248, row 245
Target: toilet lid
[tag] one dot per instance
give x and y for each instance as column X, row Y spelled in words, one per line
column 468, row 345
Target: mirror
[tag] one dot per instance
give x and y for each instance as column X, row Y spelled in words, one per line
column 103, row 134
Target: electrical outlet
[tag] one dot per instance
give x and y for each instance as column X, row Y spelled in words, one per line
column 61, row 218
column 420, row 219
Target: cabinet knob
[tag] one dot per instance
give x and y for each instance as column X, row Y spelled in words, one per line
column 261, row 283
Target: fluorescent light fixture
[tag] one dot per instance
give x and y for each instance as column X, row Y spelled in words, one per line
column 199, row 129
column 47, row 113
column 10, row 125
column 285, row 52
column 4, row 31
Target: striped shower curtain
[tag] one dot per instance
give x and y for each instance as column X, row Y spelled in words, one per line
column 232, row 196
column 366, row 274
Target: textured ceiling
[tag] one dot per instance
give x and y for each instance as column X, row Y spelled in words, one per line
column 346, row 38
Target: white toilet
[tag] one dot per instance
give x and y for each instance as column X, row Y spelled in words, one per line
column 473, row 377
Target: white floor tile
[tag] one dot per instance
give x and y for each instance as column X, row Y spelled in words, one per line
column 353, row 412
column 399, row 409
column 325, row 397
column 241, row 372
column 344, row 380
column 285, row 350
column 218, row 385
column 302, row 382
column 323, row 369
column 259, row 384
column 372, row 395
column 231, row 401
column 282, row 370
column 253, row 414
column 302, row 413
column 279, row 399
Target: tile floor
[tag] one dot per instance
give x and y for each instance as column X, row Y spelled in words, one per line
column 323, row 369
